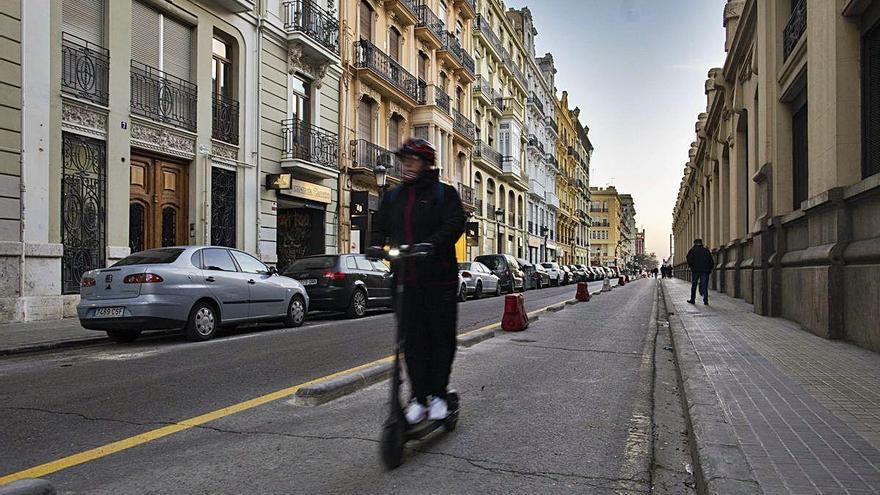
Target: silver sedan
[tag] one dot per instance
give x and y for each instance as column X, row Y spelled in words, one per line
column 477, row 280
column 194, row 288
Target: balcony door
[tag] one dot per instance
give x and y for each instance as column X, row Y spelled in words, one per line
column 365, row 13
column 365, row 120
column 157, row 203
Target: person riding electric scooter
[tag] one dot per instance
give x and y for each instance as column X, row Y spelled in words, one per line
column 424, row 211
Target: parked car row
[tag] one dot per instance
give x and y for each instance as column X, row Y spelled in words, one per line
column 201, row 288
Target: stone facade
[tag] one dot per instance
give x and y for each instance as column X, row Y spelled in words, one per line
column 606, row 235
column 788, row 200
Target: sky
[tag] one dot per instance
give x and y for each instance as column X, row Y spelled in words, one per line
column 637, row 69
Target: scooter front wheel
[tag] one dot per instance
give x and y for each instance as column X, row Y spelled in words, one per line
column 391, row 444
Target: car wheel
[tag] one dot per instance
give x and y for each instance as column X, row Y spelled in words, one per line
column 358, row 305
column 497, row 289
column 462, row 293
column 123, row 336
column 539, row 285
column 296, row 312
column 202, row 323
column 478, row 291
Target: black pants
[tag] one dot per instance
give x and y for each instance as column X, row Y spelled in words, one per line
column 429, row 322
column 701, row 278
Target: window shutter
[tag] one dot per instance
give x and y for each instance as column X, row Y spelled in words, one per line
column 394, row 38
column 144, row 34
column 366, row 15
column 177, row 48
column 365, row 119
column 871, row 103
column 394, row 133
column 84, row 19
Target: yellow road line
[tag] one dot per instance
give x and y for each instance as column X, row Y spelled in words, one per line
column 149, row 436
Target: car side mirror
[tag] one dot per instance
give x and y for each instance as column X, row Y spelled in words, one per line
column 273, row 270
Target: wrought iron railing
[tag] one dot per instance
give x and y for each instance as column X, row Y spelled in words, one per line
column 795, row 27
column 368, row 155
column 428, row 19
column 369, row 56
column 162, row 97
column 534, row 100
column 485, row 152
column 536, row 143
column 483, row 87
column 463, row 125
column 452, row 44
column 500, row 103
column 551, row 123
column 483, row 27
column 479, row 206
column 224, row 119
column 412, row 6
column 307, row 17
column 85, row 69
column 467, row 194
column 304, row 141
column 434, row 95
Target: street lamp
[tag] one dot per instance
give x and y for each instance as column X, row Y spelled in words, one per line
column 499, row 218
column 545, row 233
column 381, row 174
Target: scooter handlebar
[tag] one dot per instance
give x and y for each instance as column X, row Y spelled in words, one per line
column 400, row 252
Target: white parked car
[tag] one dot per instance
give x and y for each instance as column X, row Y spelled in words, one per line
column 557, row 276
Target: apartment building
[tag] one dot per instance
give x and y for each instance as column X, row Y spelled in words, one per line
column 154, row 149
column 408, row 71
column 783, row 180
column 499, row 100
column 605, row 235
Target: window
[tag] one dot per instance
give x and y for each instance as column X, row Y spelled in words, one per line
column 299, row 98
column 423, row 66
column 365, row 13
column 363, row 264
column 84, row 19
column 394, row 131
column 799, row 165
column 349, row 263
column 248, row 263
column 312, row 263
column 443, row 14
column 160, row 41
column 151, row 257
column 221, row 71
column 394, row 44
column 217, row 259
column 871, row 102
column 380, row 266
column 365, row 119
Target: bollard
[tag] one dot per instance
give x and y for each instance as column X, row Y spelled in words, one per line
column 583, row 292
column 606, row 284
column 620, row 281
column 28, row 486
column 515, row 318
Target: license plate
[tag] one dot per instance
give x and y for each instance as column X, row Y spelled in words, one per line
column 309, row 281
column 109, row 312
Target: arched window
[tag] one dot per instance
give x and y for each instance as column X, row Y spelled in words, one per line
column 395, row 131
column 365, row 119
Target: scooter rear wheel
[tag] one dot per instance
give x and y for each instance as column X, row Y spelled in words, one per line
column 391, row 444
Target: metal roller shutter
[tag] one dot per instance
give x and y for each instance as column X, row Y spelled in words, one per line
column 871, row 102
column 84, row 19
column 144, row 34
column 177, row 48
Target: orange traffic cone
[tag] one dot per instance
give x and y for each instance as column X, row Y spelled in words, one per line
column 583, row 292
column 515, row 318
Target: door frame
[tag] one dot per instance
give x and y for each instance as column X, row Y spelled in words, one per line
column 153, row 216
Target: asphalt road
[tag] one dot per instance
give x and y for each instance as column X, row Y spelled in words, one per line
column 56, row 404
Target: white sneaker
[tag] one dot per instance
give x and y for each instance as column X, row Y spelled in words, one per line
column 437, row 409
column 415, row 412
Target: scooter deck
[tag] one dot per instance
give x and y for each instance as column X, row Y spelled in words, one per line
column 425, row 428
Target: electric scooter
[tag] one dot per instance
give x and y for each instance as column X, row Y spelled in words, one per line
column 396, row 431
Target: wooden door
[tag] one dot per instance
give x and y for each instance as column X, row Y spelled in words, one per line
column 158, row 204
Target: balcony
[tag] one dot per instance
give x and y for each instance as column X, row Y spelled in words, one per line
column 467, row 195
column 381, row 69
column 236, row 6
column 552, row 200
column 366, row 156
column 574, row 153
column 482, row 27
column 550, row 122
column 486, row 154
column 433, row 95
column 537, row 189
column 316, row 28
column 795, row 27
column 85, row 69
column 468, row 8
column 224, row 119
column 406, row 11
column 463, row 126
column 478, row 203
column 484, row 90
column 430, row 28
column 512, row 107
column 511, row 167
column 456, row 56
column 162, row 97
column 536, row 102
column 310, row 148
column 535, row 143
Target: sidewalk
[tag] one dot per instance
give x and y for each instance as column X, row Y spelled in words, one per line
column 801, row 413
column 41, row 335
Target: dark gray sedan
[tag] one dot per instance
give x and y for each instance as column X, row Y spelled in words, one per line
column 194, row 288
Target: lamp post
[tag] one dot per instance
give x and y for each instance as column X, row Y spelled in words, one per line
column 381, row 174
column 545, row 233
column 499, row 219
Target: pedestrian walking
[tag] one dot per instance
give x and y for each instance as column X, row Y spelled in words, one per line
column 700, row 261
column 654, row 272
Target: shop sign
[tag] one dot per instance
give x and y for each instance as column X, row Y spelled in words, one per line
column 307, row 190
column 278, row 182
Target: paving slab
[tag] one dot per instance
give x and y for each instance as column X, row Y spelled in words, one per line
column 804, row 411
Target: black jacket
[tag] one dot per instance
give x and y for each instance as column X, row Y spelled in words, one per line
column 413, row 213
column 700, row 260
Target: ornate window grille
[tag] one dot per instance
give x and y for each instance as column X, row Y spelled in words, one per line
column 795, row 27
column 307, row 17
column 223, row 206
column 224, row 119
column 83, row 199
column 162, row 97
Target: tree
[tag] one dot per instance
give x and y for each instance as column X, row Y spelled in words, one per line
column 646, row 262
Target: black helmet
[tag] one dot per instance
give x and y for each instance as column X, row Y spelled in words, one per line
column 419, row 148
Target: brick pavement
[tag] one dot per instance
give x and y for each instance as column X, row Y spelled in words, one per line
column 805, row 410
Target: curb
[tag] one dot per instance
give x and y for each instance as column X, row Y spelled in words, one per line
column 28, row 486
column 321, row 393
column 48, row 346
column 720, row 466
